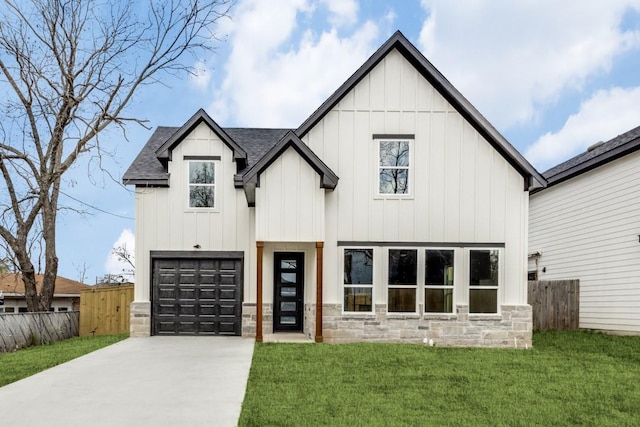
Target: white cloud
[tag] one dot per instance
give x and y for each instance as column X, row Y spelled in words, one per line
column 343, row 12
column 115, row 266
column 602, row 117
column 272, row 80
column 201, row 75
column 511, row 58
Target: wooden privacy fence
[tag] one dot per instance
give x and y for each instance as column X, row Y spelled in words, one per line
column 555, row 303
column 26, row 329
column 105, row 311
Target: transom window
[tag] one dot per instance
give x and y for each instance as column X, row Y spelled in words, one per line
column 393, row 166
column 438, row 281
column 483, row 280
column 402, row 280
column 358, row 280
column 202, row 184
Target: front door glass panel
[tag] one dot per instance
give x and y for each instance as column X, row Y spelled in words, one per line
column 288, row 292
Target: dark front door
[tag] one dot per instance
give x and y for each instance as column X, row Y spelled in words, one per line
column 289, row 287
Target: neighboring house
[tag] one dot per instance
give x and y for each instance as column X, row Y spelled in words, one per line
column 396, row 204
column 586, row 225
column 66, row 295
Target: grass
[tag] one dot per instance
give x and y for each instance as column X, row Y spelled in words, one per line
column 26, row 362
column 568, row 378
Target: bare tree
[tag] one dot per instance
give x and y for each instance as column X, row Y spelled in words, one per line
column 69, row 69
column 124, row 255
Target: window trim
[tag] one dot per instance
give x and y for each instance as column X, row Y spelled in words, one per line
column 454, row 284
column 378, row 139
column 500, row 277
column 215, row 161
column 416, row 287
column 359, row 285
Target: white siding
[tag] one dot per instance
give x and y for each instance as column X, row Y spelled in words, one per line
column 165, row 222
column 289, row 202
column 587, row 228
column 463, row 190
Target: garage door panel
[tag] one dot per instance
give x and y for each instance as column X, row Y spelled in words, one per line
column 167, row 293
column 187, row 310
column 207, row 293
column 167, row 309
column 228, row 310
column 186, row 293
column 207, row 310
column 197, row 296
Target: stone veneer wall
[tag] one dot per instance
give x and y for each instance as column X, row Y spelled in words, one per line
column 249, row 319
column 140, row 321
column 512, row 328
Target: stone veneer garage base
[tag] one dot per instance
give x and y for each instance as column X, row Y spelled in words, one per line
column 512, row 328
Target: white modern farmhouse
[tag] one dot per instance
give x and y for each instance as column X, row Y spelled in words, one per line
column 395, row 212
column 586, row 225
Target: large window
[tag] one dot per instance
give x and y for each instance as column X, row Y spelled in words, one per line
column 438, row 281
column 393, row 167
column 202, row 184
column 483, row 280
column 402, row 280
column 358, row 280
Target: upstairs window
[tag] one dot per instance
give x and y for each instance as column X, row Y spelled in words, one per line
column 393, row 166
column 202, row 184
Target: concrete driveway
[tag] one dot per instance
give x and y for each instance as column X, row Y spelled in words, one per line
column 157, row 381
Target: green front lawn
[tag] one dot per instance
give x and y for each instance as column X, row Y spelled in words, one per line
column 23, row 363
column 569, row 378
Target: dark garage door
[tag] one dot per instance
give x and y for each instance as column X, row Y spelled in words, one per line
column 197, row 296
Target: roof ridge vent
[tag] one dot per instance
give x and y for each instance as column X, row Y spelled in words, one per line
column 594, row 146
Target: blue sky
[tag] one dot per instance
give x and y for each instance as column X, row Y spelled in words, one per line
column 553, row 77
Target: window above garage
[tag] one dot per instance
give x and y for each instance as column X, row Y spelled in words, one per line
column 202, row 183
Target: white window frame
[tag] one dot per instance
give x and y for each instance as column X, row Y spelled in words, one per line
column 359, row 285
column 425, row 286
column 497, row 288
column 415, row 287
column 379, row 167
column 213, row 185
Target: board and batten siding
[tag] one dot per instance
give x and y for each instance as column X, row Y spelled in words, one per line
column 587, row 228
column 289, row 201
column 462, row 189
column 164, row 220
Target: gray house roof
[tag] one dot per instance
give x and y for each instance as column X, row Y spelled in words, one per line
column 533, row 179
column 254, row 149
column 149, row 167
column 599, row 155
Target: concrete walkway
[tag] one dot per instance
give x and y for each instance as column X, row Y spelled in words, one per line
column 157, row 381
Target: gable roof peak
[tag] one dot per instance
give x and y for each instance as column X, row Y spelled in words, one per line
column 164, row 151
column 400, row 43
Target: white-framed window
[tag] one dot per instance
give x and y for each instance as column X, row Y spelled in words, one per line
column 438, row 280
column 358, row 280
column 484, row 280
column 394, row 167
column 402, row 280
column 202, row 184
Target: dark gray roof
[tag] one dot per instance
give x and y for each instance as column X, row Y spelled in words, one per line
column 251, row 178
column 147, row 168
column 613, row 149
column 533, row 179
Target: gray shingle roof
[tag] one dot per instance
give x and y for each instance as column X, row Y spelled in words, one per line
column 147, row 169
column 615, row 148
